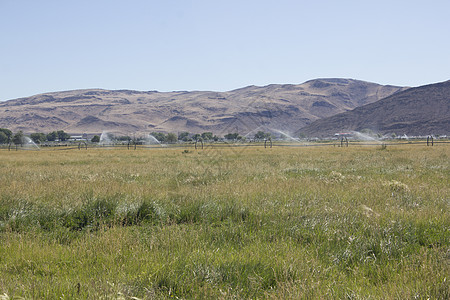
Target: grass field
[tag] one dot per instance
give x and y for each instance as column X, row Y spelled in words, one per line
column 226, row 223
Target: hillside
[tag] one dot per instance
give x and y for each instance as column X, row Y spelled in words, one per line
column 282, row 107
column 417, row 111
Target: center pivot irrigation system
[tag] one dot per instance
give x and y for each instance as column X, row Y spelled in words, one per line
column 201, row 144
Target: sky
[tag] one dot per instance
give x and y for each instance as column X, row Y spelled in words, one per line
column 172, row 45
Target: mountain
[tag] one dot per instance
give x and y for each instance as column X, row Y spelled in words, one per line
column 422, row 110
column 279, row 106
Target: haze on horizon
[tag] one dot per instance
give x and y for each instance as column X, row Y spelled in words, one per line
column 209, row 45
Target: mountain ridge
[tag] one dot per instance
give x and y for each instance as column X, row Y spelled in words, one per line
column 281, row 106
column 420, row 110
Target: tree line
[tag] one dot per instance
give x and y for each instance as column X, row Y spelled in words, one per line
column 185, row 136
column 8, row 137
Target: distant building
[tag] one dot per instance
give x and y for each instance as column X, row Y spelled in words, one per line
column 343, row 134
column 75, row 138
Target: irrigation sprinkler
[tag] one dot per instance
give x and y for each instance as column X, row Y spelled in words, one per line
column 201, row 141
column 131, row 143
column 265, row 143
column 344, row 140
column 430, row 140
column 82, row 145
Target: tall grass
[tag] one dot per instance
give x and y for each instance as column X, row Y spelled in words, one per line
column 275, row 223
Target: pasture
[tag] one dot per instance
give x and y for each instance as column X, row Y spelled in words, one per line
column 361, row 222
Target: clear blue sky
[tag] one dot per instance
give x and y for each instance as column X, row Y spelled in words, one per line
column 170, row 45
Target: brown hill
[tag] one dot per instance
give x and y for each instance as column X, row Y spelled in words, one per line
column 282, row 107
column 417, row 111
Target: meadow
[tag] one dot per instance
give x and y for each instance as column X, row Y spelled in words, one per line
column 362, row 222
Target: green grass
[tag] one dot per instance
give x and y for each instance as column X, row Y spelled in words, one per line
column 226, row 223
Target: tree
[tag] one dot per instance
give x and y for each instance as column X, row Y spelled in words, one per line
column 161, row 137
column 3, row 138
column 58, row 135
column 122, row 138
column 171, row 138
column 8, row 134
column 38, row 137
column 18, row 138
column 197, row 137
column 95, row 139
column 260, row 135
column 183, row 136
column 207, row 136
column 62, row 136
column 52, row 136
column 232, row 136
